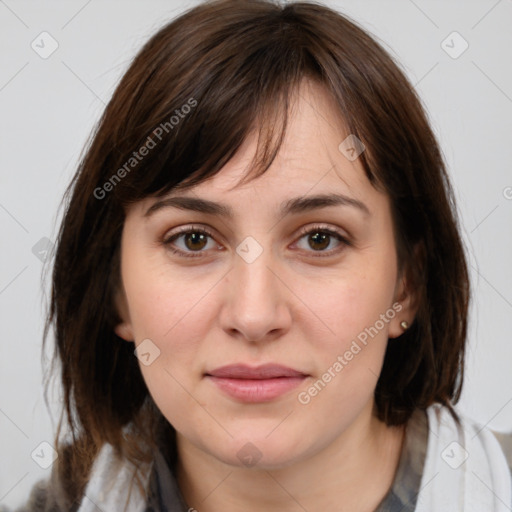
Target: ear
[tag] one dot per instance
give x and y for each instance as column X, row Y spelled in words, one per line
column 124, row 328
column 407, row 293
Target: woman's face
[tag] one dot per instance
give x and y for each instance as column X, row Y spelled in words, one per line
column 283, row 279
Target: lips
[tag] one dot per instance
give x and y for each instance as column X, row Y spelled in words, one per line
column 255, row 384
column 266, row 371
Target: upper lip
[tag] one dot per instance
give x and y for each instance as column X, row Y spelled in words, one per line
column 265, row 371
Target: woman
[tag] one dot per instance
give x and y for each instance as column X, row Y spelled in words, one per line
column 260, row 293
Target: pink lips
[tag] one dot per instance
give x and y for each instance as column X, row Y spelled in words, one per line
column 255, row 384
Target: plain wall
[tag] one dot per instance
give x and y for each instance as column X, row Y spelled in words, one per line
column 49, row 106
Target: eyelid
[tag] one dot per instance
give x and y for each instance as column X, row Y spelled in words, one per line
column 343, row 238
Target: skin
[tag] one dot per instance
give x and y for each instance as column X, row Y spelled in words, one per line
column 289, row 306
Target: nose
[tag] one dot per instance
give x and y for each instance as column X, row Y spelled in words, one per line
column 256, row 306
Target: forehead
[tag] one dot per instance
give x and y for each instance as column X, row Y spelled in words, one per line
column 309, row 161
column 311, row 147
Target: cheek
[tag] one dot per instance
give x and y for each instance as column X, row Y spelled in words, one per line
column 176, row 313
column 350, row 361
column 161, row 300
column 355, row 303
column 175, row 316
column 358, row 309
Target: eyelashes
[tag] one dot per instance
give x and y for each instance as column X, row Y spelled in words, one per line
column 199, row 235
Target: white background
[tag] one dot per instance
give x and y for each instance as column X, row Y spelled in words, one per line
column 49, row 106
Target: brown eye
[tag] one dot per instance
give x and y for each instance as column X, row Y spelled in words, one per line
column 320, row 238
column 195, row 241
column 192, row 240
column 319, row 241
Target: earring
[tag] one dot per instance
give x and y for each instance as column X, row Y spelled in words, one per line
column 404, row 325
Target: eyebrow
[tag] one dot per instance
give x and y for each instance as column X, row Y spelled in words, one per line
column 292, row 206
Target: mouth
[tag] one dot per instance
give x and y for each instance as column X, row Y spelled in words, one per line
column 255, row 384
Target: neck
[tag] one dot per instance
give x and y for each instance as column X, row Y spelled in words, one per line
column 355, row 472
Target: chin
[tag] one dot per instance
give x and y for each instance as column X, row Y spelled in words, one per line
column 261, row 450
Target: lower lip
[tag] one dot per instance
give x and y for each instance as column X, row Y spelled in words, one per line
column 256, row 390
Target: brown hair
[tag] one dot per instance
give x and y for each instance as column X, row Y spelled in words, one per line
column 235, row 64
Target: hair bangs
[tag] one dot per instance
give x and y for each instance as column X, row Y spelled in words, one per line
column 249, row 93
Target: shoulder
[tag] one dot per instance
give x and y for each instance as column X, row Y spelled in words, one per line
column 469, row 437
column 44, row 497
column 115, row 482
column 60, row 491
column 110, row 484
column 465, row 463
column 505, row 441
